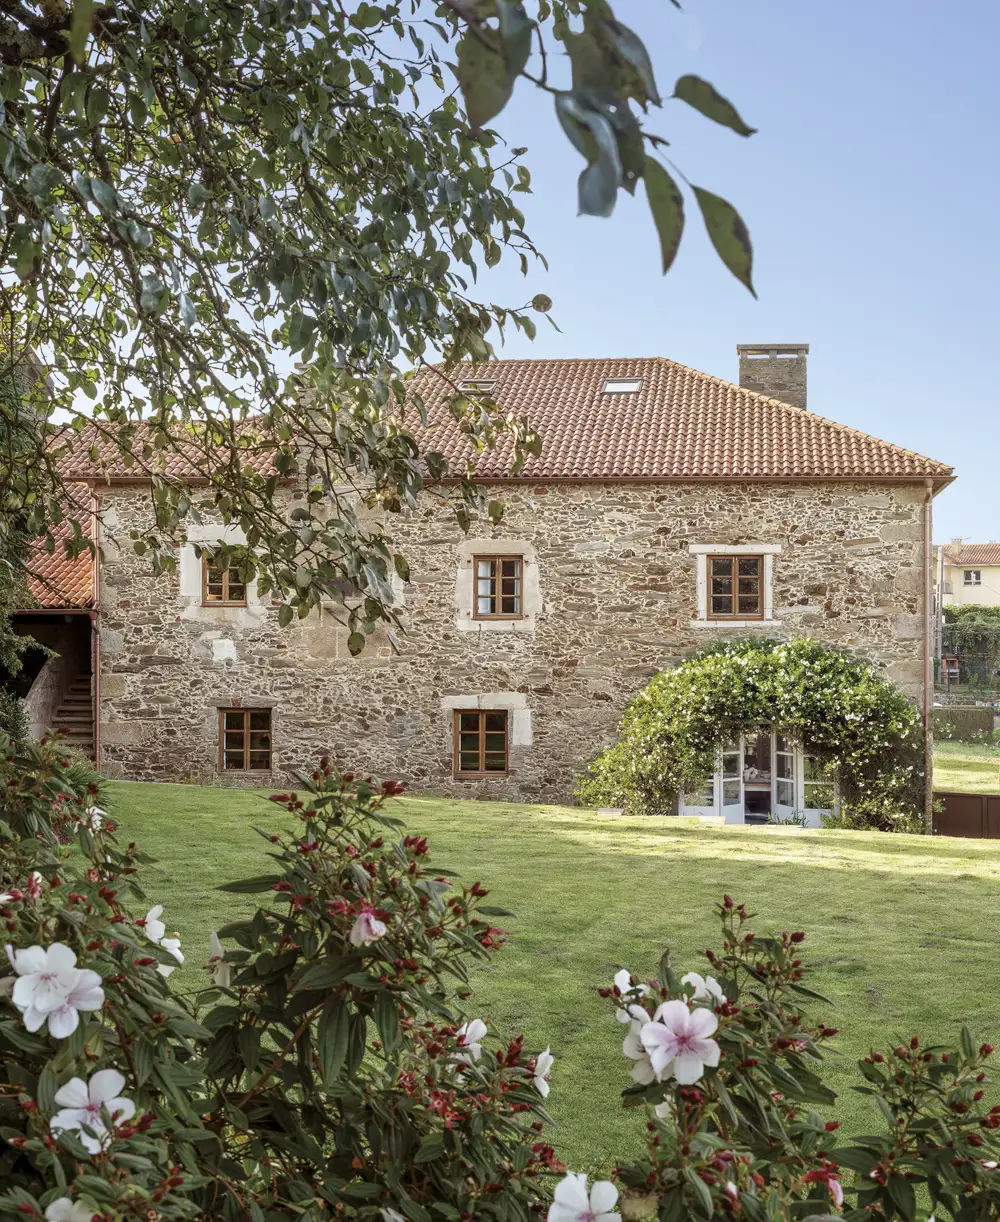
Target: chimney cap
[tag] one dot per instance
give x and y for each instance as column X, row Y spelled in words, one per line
column 772, row 349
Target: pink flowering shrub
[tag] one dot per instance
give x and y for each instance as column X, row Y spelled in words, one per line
column 728, row 1070
column 327, row 1068
column 330, row 1066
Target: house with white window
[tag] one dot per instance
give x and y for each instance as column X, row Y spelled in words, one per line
column 968, row 573
column 668, row 508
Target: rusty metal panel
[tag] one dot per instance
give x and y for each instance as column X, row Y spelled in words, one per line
column 964, row 814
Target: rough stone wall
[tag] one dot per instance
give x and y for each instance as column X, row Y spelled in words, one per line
column 614, row 598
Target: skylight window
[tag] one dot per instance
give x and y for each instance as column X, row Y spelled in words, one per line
column 622, row 386
column 482, row 386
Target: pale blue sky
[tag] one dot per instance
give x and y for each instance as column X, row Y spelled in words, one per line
column 871, row 191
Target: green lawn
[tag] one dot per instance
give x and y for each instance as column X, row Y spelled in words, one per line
column 902, row 930
column 959, row 766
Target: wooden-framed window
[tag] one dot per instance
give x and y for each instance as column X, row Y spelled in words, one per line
column 735, row 587
column 222, row 587
column 499, row 587
column 245, row 740
column 481, row 741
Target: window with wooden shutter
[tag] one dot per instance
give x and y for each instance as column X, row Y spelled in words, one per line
column 245, row 740
column 735, row 587
column 498, row 590
column 481, row 742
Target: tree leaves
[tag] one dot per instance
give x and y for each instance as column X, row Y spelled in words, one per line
column 83, row 20
column 594, row 136
column 484, row 78
column 709, row 102
column 667, row 206
column 515, row 35
column 632, row 49
column 729, row 235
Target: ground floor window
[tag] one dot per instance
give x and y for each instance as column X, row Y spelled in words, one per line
column 245, row 739
column 481, row 741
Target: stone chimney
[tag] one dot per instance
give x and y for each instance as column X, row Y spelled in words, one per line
column 776, row 370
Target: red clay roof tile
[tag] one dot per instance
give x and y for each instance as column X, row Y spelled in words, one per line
column 681, row 424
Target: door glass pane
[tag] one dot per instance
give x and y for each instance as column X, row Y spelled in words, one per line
column 812, row 769
column 757, row 758
column 705, row 796
column 731, row 793
column 784, row 793
column 731, row 762
column 781, row 743
column 784, row 766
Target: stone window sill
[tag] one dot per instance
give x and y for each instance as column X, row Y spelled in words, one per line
column 735, row 623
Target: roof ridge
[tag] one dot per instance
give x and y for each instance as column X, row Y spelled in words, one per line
column 715, row 380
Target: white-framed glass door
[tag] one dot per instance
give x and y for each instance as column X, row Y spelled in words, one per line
column 818, row 792
column 783, row 791
column 731, row 777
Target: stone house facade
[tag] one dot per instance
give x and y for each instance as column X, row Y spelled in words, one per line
column 669, row 509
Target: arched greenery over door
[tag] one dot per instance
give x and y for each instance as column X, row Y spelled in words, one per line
column 856, row 723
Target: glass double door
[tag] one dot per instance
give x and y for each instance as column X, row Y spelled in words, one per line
column 757, row 777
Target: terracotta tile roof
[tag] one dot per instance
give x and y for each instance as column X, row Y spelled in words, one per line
column 681, row 424
column 76, row 462
column 972, row 553
column 59, row 580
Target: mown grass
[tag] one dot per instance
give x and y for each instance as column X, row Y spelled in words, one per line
column 965, row 768
column 902, row 930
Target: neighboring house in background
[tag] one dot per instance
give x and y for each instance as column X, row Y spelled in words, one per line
column 668, row 509
column 968, row 573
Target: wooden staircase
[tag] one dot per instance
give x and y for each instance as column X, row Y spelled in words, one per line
column 74, row 718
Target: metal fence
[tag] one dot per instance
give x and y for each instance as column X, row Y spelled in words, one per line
column 976, row 815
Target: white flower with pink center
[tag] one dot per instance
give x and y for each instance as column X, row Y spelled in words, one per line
column 367, row 928
column 50, row 988
column 83, row 1104
column 469, row 1036
column 571, row 1202
column 678, row 1039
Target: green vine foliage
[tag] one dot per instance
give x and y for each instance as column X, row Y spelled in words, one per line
column 856, row 724
column 972, row 633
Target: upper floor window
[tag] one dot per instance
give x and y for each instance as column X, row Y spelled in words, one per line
column 735, row 587
column 498, row 590
column 223, row 587
column 973, row 577
column 480, row 743
column 245, row 739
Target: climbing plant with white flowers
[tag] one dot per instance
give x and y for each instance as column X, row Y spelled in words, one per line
column 851, row 719
column 330, row 1065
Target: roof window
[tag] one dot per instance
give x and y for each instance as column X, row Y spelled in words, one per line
column 483, row 386
column 622, row 386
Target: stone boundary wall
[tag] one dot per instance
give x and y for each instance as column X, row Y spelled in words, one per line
column 614, row 598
